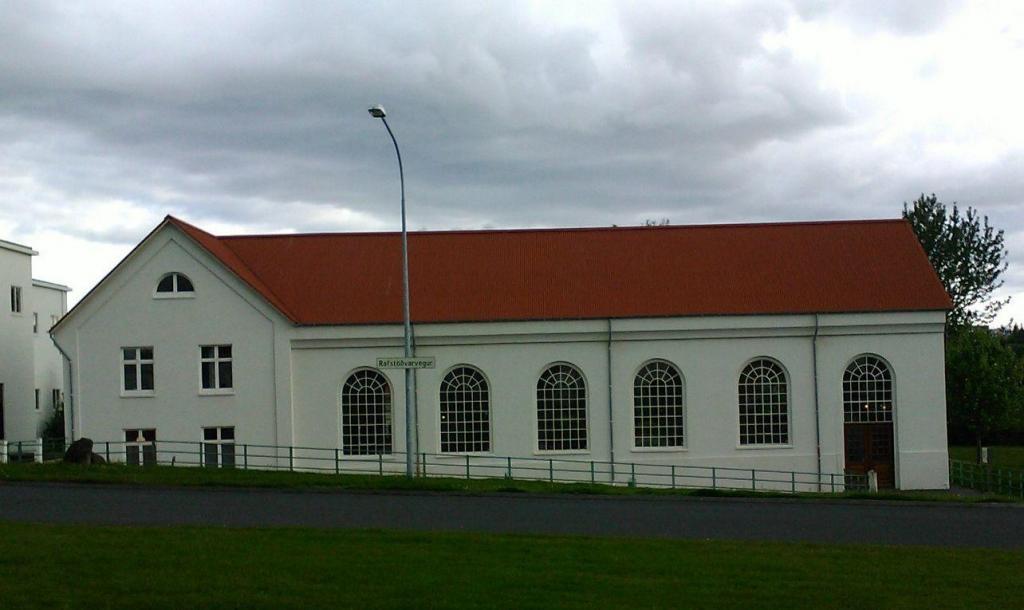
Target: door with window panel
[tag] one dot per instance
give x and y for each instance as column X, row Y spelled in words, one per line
column 868, row 419
column 219, row 447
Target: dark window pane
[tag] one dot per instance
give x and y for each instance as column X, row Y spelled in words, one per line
column 128, row 353
column 130, row 383
column 149, row 455
column 210, row 455
column 207, row 375
column 209, row 434
column 166, row 284
column 224, row 351
column 184, row 284
column 227, row 455
column 227, row 434
column 147, row 376
column 149, row 435
column 206, row 351
column 132, row 455
column 146, row 352
column 225, row 374
column 129, row 435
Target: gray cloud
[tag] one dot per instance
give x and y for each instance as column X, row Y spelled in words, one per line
column 253, row 116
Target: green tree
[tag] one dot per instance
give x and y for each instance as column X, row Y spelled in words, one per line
column 984, row 383
column 966, row 252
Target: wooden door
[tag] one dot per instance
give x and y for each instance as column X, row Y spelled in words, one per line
column 870, row 447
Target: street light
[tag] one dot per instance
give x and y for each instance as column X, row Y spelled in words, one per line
column 378, row 112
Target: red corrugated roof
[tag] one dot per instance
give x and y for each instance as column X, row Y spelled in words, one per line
column 547, row 274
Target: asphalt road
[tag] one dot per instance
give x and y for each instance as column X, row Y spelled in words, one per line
column 995, row 526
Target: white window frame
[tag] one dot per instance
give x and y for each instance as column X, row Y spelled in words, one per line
column 174, row 293
column 137, row 363
column 489, row 411
column 880, row 406
column 16, row 303
column 551, row 409
column 383, row 399
column 141, row 446
column 682, row 406
column 219, row 442
column 216, row 360
column 788, row 443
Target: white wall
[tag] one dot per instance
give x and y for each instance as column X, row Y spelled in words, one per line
column 48, row 302
column 16, row 346
column 124, row 313
column 288, row 378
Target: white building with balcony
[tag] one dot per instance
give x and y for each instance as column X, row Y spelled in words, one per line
column 811, row 347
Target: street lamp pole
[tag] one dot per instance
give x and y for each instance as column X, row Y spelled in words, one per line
column 377, row 112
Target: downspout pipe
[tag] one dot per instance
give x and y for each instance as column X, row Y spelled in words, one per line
column 70, row 411
column 817, row 404
column 611, row 410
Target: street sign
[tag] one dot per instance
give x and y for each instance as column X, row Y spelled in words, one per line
column 406, row 363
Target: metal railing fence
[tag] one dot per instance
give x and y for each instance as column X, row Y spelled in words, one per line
column 251, row 456
column 986, row 478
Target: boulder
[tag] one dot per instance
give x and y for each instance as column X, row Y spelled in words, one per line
column 80, row 452
column 96, row 458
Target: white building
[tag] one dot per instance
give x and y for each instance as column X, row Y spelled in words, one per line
column 812, row 347
column 31, row 368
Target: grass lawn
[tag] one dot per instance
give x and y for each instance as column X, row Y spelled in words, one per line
column 179, row 476
column 44, row 566
column 1003, row 457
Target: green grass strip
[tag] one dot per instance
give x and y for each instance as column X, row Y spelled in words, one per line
column 44, row 566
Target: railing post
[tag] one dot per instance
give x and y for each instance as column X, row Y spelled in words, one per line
column 38, row 457
column 792, row 476
column 107, row 443
column 714, row 478
column 245, row 456
column 380, row 464
column 632, row 474
column 20, row 456
column 551, row 471
column 508, row 468
column 424, row 456
column 673, row 476
column 337, row 461
column 291, row 458
column 753, row 479
column 467, row 467
column 832, row 481
column 593, row 479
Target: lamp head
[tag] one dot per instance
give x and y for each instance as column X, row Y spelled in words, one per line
column 377, row 112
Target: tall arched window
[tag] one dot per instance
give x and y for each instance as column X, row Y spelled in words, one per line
column 366, row 414
column 867, row 391
column 764, row 404
column 174, row 283
column 561, row 409
column 658, row 413
column 465, row 412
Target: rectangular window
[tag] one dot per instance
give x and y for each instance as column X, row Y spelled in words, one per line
column 215, row 367
column 137, row 367
column 219, row 447
column 35, row 322
column 37, row 399
column 16, row 299
column 140, row 447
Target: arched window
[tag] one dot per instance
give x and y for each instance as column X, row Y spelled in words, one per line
column 658, row 406
column 465, row 412
column 561, row 409
column 867, row 391
column 366, row 414
column 764, row 404
column 174, row 283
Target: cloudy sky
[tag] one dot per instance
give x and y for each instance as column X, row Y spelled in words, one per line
column 251, row 117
